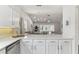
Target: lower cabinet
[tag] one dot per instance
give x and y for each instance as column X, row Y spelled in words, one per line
column 52, row 47
column 46, row 46
column 65, row 46
column 32, row 46
column 39, row 46
column 58, row 46
column 26, row 47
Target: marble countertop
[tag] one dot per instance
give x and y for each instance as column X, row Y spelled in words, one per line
column 31, row 36
column 9, row 40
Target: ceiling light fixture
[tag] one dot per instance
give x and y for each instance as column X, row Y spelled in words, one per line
column 39, row 5
column 48, row 15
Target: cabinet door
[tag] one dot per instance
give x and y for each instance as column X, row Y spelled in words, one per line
column 39, row 46
column 52, row 47
column 26, row 47
column 66, row 47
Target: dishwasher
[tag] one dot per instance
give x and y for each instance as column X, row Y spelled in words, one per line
column 13, row 48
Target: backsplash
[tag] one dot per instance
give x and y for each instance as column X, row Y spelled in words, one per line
column 8, row 31
column 54, row 28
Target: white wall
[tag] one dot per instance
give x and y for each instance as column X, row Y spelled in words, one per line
column 5, row 16
column 29, row 24
column 26, row 18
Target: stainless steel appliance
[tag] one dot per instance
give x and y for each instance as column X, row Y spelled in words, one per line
column 14, row 48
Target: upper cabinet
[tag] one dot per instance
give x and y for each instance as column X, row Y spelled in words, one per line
column 5, row 16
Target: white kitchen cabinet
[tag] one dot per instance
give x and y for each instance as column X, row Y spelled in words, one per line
column 39, row 46
column 3, row 51
column 58, row 46
column 65, row 46
column 26, row 47
column 52, row 46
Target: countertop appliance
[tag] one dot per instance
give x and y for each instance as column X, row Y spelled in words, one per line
column 36, row 29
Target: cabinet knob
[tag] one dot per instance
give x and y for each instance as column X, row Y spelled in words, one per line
column 58, row 47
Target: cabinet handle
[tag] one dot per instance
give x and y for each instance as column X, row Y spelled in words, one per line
column 31, row 47
column 35, row 47
column 61, row 47
column 58, row 47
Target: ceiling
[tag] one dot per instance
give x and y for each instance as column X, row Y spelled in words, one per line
column 42, row 9
column 53, row 13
